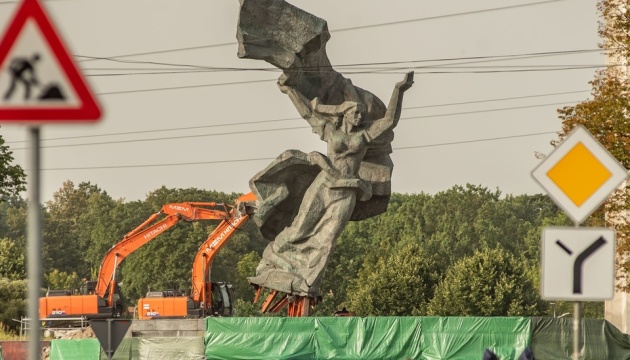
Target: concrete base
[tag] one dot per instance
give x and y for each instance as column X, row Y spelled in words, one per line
column 167, row 328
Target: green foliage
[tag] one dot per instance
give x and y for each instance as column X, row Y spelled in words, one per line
column 13, row 218
column 491, row 282
column 73, row 218
column 12, row 177
column 60, row 280
column 245, row 268
column 12, row 260
column 12, row 298
column 606, row 116
column 387, row 265
column 245, row 308
column 590, row 310
column 400, row 284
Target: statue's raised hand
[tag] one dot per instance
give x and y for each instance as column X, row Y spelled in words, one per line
column 406, row 83
column 282, row 84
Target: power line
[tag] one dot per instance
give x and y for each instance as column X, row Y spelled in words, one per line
column 185, row 87
column 270, row 80
column 295, row 118
column 282, row 129
column 474, row 12
column 486, row 57
column 271, row 158
column 385, row 70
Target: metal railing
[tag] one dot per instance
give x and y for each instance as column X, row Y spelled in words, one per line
column 53, row 324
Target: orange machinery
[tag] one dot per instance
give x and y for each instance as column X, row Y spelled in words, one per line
column 207, row 298
column 102, row 298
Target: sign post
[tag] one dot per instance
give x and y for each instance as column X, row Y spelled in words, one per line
column 578, row 263
column 39, row 84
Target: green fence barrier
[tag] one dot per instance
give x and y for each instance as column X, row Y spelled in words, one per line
column 79, row 349
column 468, row 337
column 418, row 338
column 365, row 338
column 158, row 348
column 552, row 339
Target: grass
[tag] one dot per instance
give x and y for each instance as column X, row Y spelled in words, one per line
column 7, row 335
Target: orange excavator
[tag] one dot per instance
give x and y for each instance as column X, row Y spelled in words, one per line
column 207, row 298
column 102, row 298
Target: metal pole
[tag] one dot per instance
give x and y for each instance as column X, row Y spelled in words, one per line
column 577, row 329
column 33, row 244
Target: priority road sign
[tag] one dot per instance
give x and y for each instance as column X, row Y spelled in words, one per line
column 39, row 81
column 579, row 174
column 578, row 264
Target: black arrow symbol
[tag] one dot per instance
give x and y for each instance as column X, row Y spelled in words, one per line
column 579, row 261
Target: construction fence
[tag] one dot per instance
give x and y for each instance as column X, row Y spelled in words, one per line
column 427, row 338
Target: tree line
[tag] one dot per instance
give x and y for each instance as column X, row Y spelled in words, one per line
column 466, row 251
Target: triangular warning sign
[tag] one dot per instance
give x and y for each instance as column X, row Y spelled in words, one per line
column 39, row 81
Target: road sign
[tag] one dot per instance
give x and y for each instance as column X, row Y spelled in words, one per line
column 578, row 263
column 39, row 81
column 579, row 174
column 110, row 333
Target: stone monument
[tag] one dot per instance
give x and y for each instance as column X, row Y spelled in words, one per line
column 306, row 200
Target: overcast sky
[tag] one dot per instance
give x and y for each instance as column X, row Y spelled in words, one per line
column 490, row 75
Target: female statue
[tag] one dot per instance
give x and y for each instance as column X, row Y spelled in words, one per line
column 329, row 188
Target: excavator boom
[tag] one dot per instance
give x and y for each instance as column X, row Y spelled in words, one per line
column 98, row 300
column 142, row 234
column 200, row 302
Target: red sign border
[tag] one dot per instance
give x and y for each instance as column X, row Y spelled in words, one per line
column 88, row 111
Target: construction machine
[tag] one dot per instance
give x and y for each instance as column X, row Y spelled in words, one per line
column 102, row 298
column 207, row 298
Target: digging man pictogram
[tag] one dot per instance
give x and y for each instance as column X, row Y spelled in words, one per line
column 22, row 70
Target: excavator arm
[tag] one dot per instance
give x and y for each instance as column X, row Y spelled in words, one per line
column 189, row 211
column 201, row 290
column 206, row 253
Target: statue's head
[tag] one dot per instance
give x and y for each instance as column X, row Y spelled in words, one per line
column 354, row 114
column 349, row 111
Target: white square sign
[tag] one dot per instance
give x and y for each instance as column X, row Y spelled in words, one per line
column 578, row 264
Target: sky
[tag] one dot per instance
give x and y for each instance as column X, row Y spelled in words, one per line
column 181, row 110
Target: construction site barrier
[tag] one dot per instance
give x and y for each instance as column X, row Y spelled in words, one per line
column 423, row 338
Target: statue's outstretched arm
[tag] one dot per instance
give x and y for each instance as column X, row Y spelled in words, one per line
column 392, row 115
column 303, row 106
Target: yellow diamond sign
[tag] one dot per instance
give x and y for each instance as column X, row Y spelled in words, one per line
column 580, row 174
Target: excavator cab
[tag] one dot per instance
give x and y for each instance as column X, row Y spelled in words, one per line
column 221, row 303
column 88, row 287
column 116, row 309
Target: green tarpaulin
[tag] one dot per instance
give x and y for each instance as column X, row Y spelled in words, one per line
column 552, row 339
column 468, row 337
column 80, row 349
column 156, row 348
column 365, row 338
column 421, row 338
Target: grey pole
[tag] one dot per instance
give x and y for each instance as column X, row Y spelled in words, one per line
column 577, row 329
column 33, row 244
